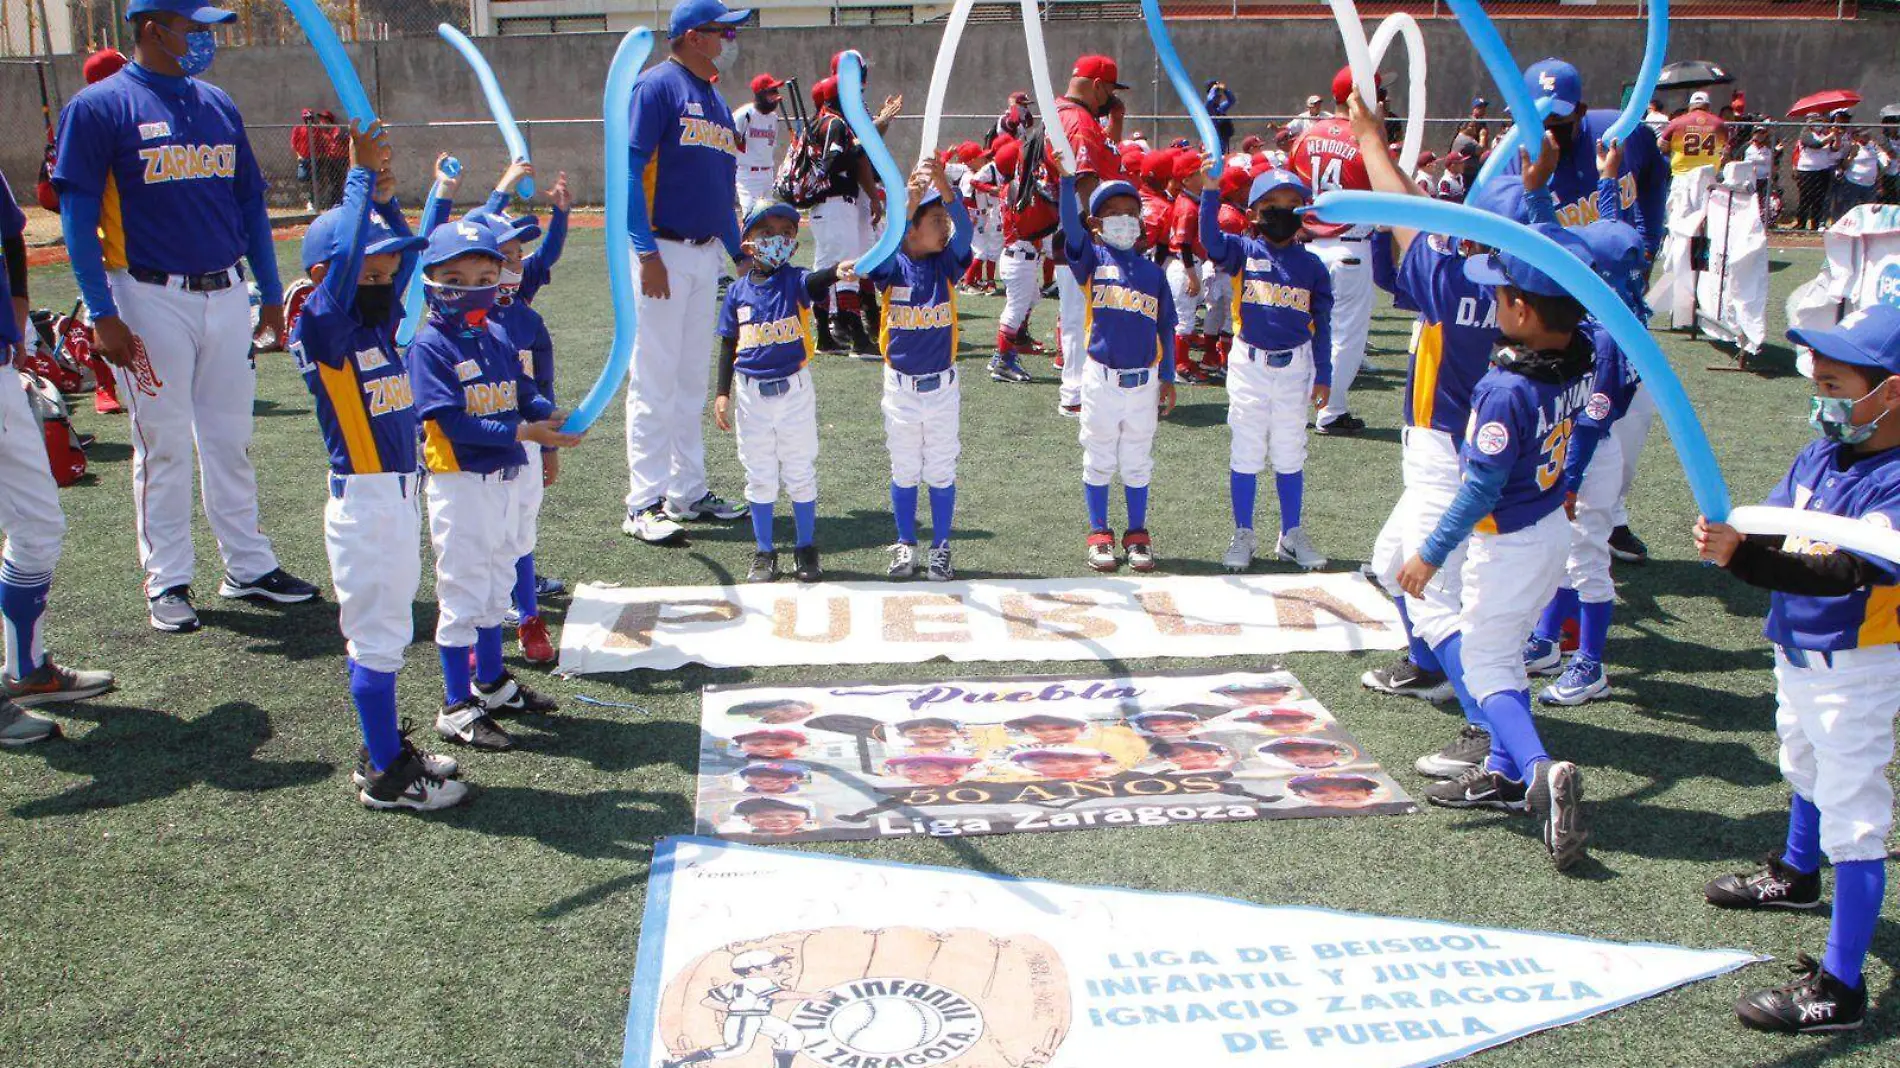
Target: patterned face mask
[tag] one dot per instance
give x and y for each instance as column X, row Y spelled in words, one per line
column 1121, row 231
column 1833, row 417
column 775, row 251
column 452, row 302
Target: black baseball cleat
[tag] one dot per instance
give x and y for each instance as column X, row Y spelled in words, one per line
column 408, row 783
column 1556, row 799
column 1343, row 426
column 468, row 723
column 1627, row 547
column 1406, row 679
column 280, row 587
column 507, row 695
column 1815, row 1003
column 1774, row 885
column 805, row 564
column 1461, row 754
column 1478, row 788
column 764, row 567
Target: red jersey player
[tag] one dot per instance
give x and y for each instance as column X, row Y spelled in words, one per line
column 1326, row 157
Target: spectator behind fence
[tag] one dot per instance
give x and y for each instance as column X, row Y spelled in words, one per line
column 1299, row 123
column 330, row 159
column 1220, row 101
column 300, row 147
column 1862, row 162
column 1759, row 158
column 1817, row 154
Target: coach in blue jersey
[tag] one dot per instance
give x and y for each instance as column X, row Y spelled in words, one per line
column 160, row 198
column 683, row 145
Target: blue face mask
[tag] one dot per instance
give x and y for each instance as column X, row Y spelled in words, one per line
column 775, row 251
column 456, row 302
column 1833, row 417
column 201, row 47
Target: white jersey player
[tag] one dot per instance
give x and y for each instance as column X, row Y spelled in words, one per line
column 747, row 1004
column 758, row 127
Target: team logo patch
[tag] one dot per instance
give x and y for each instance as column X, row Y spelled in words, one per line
column 745, row 313
column 901, row 294
column 1260, row 265
column 1888, row 288
column 1598, row 406
column 468, row 370
column 1492, row 438
column 693, row 108
column 371, row 359
column 152, row 131
column 1109, row 273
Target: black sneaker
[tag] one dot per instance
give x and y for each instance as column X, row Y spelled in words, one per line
column 508, row 695
column 468, row 723
column 1406, row 679
column 1478, row 788
column 407, row 783
column 1460, row 755
column 280, row 587
column 1344, row 426
column 764, row 567
column 435, row 764
column 1774, row 885
column 1627, row 547
column 1815, row 1003
column 805, row 564
column 1556, row 799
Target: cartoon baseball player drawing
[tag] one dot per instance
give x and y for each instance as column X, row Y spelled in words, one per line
column 747, row 1004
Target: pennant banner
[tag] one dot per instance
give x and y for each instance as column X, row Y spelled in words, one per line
column 620, row 629
column 766, row 958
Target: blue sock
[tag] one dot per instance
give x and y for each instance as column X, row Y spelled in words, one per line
column 455, row 680
column 1292, row 491
column 525, row 600
column 1416, row 650
column 1450, row 653
column 761, row 525
column 1561, row 609
column 1500, row 761
column 943, row 511
column 23, row 604
column 488, row 665
column 804, row 523
column 1097, row 498
column 1509, row 714
column 1593, row 629
column 1804, row 837
column 904, row 510
column 374, row 693
column 1243, row 489
column 1137, row 498
column 1859, row 886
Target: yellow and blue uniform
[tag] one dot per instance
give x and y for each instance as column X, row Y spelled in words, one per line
column 684, row 147
column 918, row 335
column 1520, row 427
column 765, row 339
column 769, row 320
column 1829, row 477
column 1642, row 188
column 471, row 393
column 1458, row 330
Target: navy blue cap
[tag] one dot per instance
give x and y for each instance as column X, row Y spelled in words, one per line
column 1110, row 189
column 766, row 209
column 459, row 238
column 1558, row 80
column 1504, row 269
column 1480, row 102
column 1502, row 197
column 692, row 14
column 191, row 9
column 1617, row 253
column 512, row 227
column 323, row 241
column 1869, row 337
column 1277, row 178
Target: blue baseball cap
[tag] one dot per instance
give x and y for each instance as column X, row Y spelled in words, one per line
column 1617, row 253
column 460, row 238
column 1869, row 337
column 692, row 14
column 512, row 227
column 766, row 209
column 1110, row 189
column 1480, row 102
column 323, row 241
column 1277, row 178
column 191, row 9
column 1558, row 80
column 1504, row 269
column 1502, row 197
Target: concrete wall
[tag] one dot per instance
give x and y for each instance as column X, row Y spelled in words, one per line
column 1270, row 65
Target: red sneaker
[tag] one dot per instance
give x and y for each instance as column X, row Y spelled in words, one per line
column 1102, row 551
column 535, row 646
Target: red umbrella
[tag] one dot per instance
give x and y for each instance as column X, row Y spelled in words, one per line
column 1825, row 101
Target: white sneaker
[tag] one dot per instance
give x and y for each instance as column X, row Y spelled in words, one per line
column 1297, row 548
column 19, row 727
column 651, row 525
column 903, row 561
column 1239, row 555
column 409, row 784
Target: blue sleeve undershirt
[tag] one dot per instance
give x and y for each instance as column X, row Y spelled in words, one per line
column 1482, row 489
column 1584, row 438
column 1075, row 238
column 79, row 222
column 261, row 249
column 340, row 278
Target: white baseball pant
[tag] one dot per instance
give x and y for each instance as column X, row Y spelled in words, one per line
column 778, row 437
column 372, row 526
column 1588, row 568
column 475, row 551
column 754, row 185
column 1184, row 305
column 528, row 497
column 1217, row 298
column 1631, row 432
column 1835, row 721
column 1266, row 408
column 840, row 231
column 986, row 235
column 1508, row 579
column 1348, row 266
column 743, row 1029
column 1118, row 425
column 669, row 378
column 1072, row 318
column 1432, row 477
column 199, row 345
column 1021, row 276
column 923, row 429
column 30, row 514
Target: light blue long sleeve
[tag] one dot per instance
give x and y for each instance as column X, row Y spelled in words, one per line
column 79, row 222
column 1482, row 489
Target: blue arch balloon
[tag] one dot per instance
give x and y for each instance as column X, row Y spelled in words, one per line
column 896, row 219
column 1505, row 148
column 1459, row 220
column 1655, row 46
column 1508, row 76
column 616, row 112
column 336, row 63
column 412, row 294
column 1183, row 87
column 498, row 108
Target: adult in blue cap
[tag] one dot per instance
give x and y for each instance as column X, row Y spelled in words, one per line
column 684, row 148
column 157, row 160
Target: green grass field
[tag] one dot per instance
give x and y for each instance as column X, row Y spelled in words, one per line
column 187, row 880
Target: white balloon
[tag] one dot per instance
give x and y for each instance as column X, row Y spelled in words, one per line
column 940, row 76
column 1401, row 24
column 1039, row 81
column 1858, row 535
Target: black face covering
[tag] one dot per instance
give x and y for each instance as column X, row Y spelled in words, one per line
column 374, row 303
column 1278, row 224
column 1107, row 108
column 766, row 107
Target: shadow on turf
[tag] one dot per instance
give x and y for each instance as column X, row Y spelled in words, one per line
column 292, row 632
column 136, row 755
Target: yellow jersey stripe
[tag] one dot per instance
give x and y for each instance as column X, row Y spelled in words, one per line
column 1882, row 626
column 649, row 186
column 112, row 226
column 956, row 325
column 437, row 452
column 804, row 334
column 1425, row 367
column 352, row 418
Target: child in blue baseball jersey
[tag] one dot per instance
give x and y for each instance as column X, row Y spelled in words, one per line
column 764, row 344
column 478, row 408
column 923, row 408
column 1509, row 510
column 1834, row 619
column 1128, row 380
column 1282, row 362
column 358, row 256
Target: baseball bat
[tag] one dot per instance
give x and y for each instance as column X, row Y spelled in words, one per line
column 1183, row 86
column 498, row 108
column 1654, row 47
column 896, row 220
column 336, row 63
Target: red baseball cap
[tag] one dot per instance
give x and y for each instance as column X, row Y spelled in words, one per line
column 1009, row 152
column 1233, row 182
column 766, row 81
column 1158, row 166
column 103, row 64
column 1427, row 158
column 1251, row 143
column 824, row 91
column 1186, row 163
column 1100, row 68
column 1342, row 83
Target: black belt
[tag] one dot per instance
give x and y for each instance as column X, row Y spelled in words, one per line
column 669, row 235
column 208, row 282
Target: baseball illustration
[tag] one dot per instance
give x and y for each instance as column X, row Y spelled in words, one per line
column 884, row 1025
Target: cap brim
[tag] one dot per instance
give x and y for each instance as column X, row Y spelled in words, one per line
column 1485, row 271
column 733, row 18
column 1561, row 109
column 396, row 245
column 1834, row 347
column 213, row 16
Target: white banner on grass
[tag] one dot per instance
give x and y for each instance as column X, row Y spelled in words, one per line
column 860, row 964
column 622, row 628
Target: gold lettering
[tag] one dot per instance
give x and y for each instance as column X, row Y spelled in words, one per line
column 1029, row 623
column 634, row 627
column 1295, row 609
column 837, row 623
column 1169, row 620
column 903, row 613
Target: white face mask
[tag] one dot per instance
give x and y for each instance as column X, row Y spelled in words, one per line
column 1121, row 231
